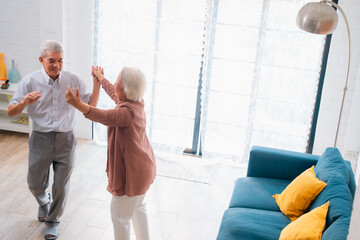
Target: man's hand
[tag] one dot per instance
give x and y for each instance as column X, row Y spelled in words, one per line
column 31, row 98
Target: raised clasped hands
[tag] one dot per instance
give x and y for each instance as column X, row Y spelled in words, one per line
column 98, row 73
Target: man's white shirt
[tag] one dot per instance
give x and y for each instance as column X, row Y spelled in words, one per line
column 51, row 112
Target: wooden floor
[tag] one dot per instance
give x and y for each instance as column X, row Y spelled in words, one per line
column 178, row 209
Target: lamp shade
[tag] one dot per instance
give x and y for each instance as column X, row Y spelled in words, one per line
column 317, row 17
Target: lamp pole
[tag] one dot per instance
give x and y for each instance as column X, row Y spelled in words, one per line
column 347, row 73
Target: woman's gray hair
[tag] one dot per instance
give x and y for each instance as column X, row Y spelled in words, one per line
column 52, row 46
column 134, row 83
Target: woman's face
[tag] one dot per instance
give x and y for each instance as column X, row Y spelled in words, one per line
column 119, row 89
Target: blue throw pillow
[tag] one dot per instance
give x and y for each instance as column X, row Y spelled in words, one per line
column 331, row 164
column 338, row 193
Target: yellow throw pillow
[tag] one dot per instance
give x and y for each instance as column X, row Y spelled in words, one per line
column 298, row 195
column 309, row 226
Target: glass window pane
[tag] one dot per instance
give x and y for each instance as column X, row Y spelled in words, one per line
column 263, row 79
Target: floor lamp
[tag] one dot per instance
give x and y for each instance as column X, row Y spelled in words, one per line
column 321, row 18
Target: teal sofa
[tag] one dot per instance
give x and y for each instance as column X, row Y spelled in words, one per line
column 253, row 213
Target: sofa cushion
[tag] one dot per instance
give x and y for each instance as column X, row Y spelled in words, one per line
column 255, row 192
column 299, row 194
column 338, row 193
column 338, row 230
column 352, row 183
column 309, row 226
column 278, row 163
column 331, row 164
column 255, row 224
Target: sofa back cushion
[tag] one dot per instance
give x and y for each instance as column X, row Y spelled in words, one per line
column 338, row 193
column 338, row 230
column 352, row 183
column 331, row 164
column 277, row 163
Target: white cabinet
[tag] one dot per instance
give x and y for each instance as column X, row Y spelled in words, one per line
column 17, row 123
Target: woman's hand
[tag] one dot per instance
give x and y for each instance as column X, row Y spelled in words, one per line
column 98, row 72
column 75, row 101
column 71, row 98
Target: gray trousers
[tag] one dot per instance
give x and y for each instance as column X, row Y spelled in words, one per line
column 46, row 149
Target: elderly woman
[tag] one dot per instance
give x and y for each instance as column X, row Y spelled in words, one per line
column 131, row 165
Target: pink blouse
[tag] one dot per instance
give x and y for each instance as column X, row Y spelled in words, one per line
column 131, row 165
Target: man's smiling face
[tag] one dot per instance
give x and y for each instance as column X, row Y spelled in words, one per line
column 52, row 63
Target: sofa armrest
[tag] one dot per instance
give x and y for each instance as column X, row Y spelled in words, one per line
column 276, row 163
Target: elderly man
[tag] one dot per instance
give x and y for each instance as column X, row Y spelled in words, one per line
column 52, row 141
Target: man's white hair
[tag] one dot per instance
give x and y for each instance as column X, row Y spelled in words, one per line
column 134, row 83
column 52, row 46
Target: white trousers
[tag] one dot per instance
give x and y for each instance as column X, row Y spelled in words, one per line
column 125, row 208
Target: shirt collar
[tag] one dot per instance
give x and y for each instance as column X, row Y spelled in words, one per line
column 48, row 79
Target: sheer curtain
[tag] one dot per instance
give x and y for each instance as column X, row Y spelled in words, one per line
column 164, row 39
column 263, row 79
column 259, row 72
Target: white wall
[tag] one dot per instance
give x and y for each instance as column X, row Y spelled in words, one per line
column 349, row 135
column 24, row 24
column 20, row 34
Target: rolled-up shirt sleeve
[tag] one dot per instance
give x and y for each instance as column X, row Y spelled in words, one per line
column 20, row 93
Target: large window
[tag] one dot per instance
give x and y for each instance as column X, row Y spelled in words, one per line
column 223, row 75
